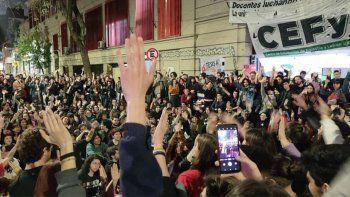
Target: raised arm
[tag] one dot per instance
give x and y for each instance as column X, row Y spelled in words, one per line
column 140, row 172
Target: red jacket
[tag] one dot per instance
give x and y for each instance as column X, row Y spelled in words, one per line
column 192, row 180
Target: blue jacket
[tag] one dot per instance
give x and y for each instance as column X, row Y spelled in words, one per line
column 140, row 173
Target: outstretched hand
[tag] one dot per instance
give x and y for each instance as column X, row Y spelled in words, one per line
column 2, row 122
column 57, row 132
column 135, row 79
column 161, row 129
column 322, row 108
column 299, row 101
column 249, row 170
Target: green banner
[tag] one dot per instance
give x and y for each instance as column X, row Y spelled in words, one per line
column 322, row 47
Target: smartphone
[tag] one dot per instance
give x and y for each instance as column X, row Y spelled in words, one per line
column 228, row 148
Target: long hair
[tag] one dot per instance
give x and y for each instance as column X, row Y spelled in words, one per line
column 207, row 144
column 86, row 166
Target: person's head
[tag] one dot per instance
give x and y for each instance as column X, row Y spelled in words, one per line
column 314, row 75
column 218, row 97
column 194, row 119
column 158, row 109
column 115, row 121
column 209, row 85
column 104, row 116
column 6, row 106
column 116, row 135
column 302, row 74
column 8, row 140
column 205, row 156
column 24, row 124
column 235, row 94
column 4, row 186
column 337, row 74
column 323, row 164
column 229, row 108
column 186, row 91
column 26, row 116
column 92, row 164
column 174, row 82
column 281, row 170
column 279, row 79
column 298, row 80
column 97, row 139
column 173, row 75
column 257, row 138
column 254, row 137
column 249, row 188
column 96, row 109
column 297, row 134
column 218, row 186
column 252, row 75
column 336, row 84
column 310, row 89
column 246, row 82
column 33, row 147
column 16, row 128
column 263, row 116
column 286, row 84
column 88, row 113
column 113, row 153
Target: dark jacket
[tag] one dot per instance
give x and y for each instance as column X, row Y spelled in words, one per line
column 69, row 184
column 140, row 172
column 25, row 184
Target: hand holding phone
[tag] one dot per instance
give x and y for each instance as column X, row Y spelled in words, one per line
column 228, row 148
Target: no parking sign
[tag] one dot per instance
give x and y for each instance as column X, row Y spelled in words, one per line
column 152, row 53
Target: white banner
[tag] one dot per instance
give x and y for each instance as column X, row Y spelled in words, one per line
column 256, row 11
column 211, row 65
column 320, row 31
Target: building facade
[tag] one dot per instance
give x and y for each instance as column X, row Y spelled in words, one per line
column 183, row 31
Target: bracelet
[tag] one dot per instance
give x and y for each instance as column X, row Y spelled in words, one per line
column 158, row 148
column 155, row 153
column 65, row 156
column 68, row 159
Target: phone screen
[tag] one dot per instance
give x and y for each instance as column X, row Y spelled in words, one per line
column 228, row 148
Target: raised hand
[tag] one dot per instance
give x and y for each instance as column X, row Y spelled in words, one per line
column 161, row 129
column 249, row 170
column 2, row 122
column 57, row 132
column 115, row 172
column 135, row 79
column 322, row 108
column 299, row 101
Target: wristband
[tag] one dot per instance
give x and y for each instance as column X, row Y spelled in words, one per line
column 67, row 159
column 158, row 149
column 155, row 153
column 65, row 156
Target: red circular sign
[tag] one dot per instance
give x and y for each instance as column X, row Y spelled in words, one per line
column 152, row 53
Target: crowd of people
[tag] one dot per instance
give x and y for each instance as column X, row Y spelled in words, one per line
column 156, row 136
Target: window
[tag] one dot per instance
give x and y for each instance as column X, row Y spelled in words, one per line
column 94, row 31
column 64, row 36
column 169, row 18
column 117, row 24
column 55, row 43
column 144, row 19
